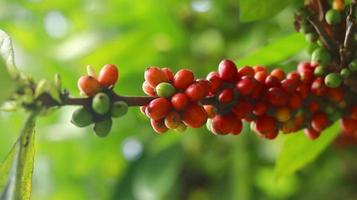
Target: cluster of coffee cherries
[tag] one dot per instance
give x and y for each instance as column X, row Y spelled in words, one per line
column 269, row 101
column 101, row 107
column 178, row 103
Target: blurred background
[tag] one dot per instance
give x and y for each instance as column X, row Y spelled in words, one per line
column 133, row 162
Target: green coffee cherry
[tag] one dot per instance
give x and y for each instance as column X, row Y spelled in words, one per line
column 321, row 56
column 165, row 90
column 305, row 28
column 345, row 73
column 101, row 103
column 333, row 80
column 311, row 47
column 319, row 71
column 119, row 109
column 311, row 37
column 82, row 117
column 353, row 66
column 333, row 17
column 102, row 128
column 181, row 128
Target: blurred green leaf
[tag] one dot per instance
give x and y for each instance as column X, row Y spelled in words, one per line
column 251, row 10
column 17, row 168
column 275, row 52
column 7, row 54
column 298, row 151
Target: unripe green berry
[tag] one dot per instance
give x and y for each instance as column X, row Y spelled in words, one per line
column 321, row 56
column 119, row 109
column 333, row 17
column 311, row 47
column 319, row 71
column 333, row 80
column 165, row 90
column 345, row 73
column 82, row 117
column 102, row 128
column 101, row 103
column 353, row 66
column 181, row 128
column 311, row 37
column 305, row 28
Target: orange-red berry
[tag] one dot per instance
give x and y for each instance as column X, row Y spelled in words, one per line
column 89, row 85
column 158, row 108
column 183, row 78
column 108, row 75
column 194, row 116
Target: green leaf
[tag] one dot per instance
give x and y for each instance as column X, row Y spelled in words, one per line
column 7, row 54
column 16, row 171
column 298, row 151
column 276, row 52
column 251, row 10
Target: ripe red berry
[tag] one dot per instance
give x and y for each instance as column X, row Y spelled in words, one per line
column 265, row 124
column 158, row 126
column 277, row 96
column 272, row 81
column 242, row 108
column 169, row 73
column 260, row 108
column 179, row 101
column 183, row 78
column 172, row 120
column 143, row 109
column 348, row 125
column 354, row 112
column 227, row 71
column 278, row 73
column 283, row 114
column 271, row 134
column 226, row 96
column 237, row 126
column 258, row 92
column 148, row 89
column 260, row 76
column 319, row 121
column 307, row 76
column 246, row 71
column 154, row 76
column 158, row 108
column 205, row 85
column 196, row 92
column 311, row 133
column 295, row 76
column 108, row 75
column 210, row 110
column 318, row 87
column 223, row 124
column 314, row 106
column 259, row 69
column 289, row 85
column 215, row 82
column 302, row 66
column 335, row 94
column 194, row 116
column 303, row 90
column 295, row 101
column 89, row 85
column 246, row 85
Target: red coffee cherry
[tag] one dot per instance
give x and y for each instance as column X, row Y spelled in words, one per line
column 246, row 71
column 148, row 89
column 278, row 73
column 158, row 126
column 313, row 106
column 265, row 124
column 282, row 114
column 210, row 110
column 242, row 108
column 154, row 76
column 143, row 109
column 307, row 76
column 246, row 85
column 223, row 124
column 158, row 108
column 303, row 90
column 270, row 135
column 196, row 92
column 319, row 121
column 173, row 120
column 108, row 75
column 261, row 76
column 227, row 71
column 206, row 85
column 237, row 126
column 289, row 85
column 295, row 101
column 226, row 96
column 215, row 82
column 318, row 87
column 169, row 73
column 311, row 133
column 354, row 112
column 260, row 69
column 88, row 85
column 295, row 76
column 194, row 116
column 272, row 81
column 348, row 125
column 303, row 66
column 335, row 94
column 258, row 92
column 179, row 101
column 183, row 78
column 277, row 96
column 260, row 108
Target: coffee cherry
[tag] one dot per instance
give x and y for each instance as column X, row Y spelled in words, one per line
column 119, row 108
column 172, row 120
column 101, row 103
column 319, row 71
column 196, row 92
column 338, row 5
column 179, row 101
column 345, row 73
column 333, row 80
column 148, row 89
column 319, row 121
column 271, row 134
column 311, row 37
column 210, row 110
column 289, row 85
column 242, row 108
column 260, row 76
column 158, row 126
column 353, row 66
column 353, row 110
column 260, row 69
column 278, row 73
column 311, row 133
column 89, row 85
column 169, row 73
column 295, row 76
column 194, row 116
column 321, row 56
column 226, row 96
column 237, row 126
column 348, row 125
column 283, row 114
column 265, row 124
column 333, row 17
column 215, row 82
column 272, row 81
column 260, row 108
column 318, row 87
column 335, row 94
column 102, row 128
column 181, row 128
column 277, row 96
column 246, row 85
column 246, row 71
column 222, row 124
column 165, row 90
column 313, row 106
column 143, row 109
column 227, row 71
column 158, row 108
column 154, row 76
column 82, row 117
column 108, row 75
column 295, row 101
column 183, row 78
